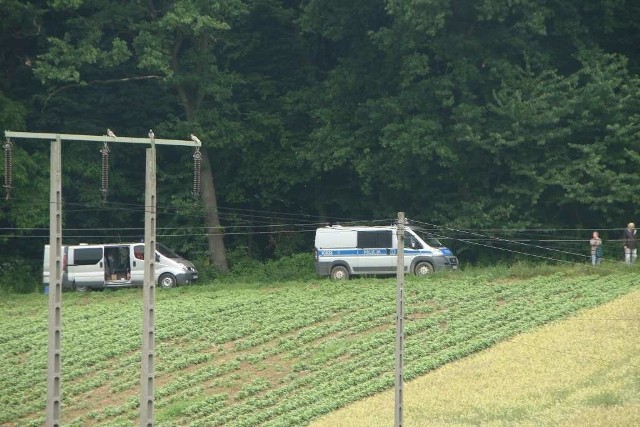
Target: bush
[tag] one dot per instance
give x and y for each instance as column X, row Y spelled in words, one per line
column 293, row 267
column 207, row 272
column 19, row 276
column 289, row 268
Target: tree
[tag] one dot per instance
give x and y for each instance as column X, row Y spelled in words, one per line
column 473, row 114
column 26, row 208
column 469, row 113
column 172, row 40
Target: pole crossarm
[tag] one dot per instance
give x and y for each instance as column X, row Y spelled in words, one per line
column 99, row 138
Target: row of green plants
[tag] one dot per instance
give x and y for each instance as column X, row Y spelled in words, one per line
column 280, row 354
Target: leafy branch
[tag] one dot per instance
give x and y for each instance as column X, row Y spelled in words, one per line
column 96, row 82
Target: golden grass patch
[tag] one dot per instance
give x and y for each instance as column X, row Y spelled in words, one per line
column 582, row 371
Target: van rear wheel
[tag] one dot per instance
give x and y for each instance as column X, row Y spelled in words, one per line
column 81, row 288
column 423, row 269
column 339, row 272
column 167, row 280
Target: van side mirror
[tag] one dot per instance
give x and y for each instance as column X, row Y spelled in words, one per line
column 157, row 258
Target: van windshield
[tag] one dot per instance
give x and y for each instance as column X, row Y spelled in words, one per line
column 165, row 251
column 428, row 239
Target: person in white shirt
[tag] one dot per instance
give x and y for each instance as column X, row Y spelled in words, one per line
column 596, row 249
column 630, row 244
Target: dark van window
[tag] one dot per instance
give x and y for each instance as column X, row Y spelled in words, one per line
column 410, row 242
column 375, row 239
column 138, row 251
column 166, row 251
column 87, row 256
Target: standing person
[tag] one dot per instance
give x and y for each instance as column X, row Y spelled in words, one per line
column 630, row 244
column 596, row 249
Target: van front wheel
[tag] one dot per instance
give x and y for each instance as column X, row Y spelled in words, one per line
column 423, row 269
column 339, row 272
column 167, row 280
column 81, row 288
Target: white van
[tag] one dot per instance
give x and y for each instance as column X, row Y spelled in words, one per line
column 344, row 251
column 117, row 265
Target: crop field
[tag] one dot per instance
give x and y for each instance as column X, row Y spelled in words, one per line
column 580, row 371
column 278, row 355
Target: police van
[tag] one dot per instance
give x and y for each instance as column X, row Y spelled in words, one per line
column 341, row 252
column 117, row 265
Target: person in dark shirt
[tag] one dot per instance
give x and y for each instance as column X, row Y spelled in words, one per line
column 630, row 244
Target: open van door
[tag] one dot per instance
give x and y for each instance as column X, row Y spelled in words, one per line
column 117, row 265
column 137, row 264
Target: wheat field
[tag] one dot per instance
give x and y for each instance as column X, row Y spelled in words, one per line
column 582, row 371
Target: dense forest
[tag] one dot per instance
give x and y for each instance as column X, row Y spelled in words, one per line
column 479, row 114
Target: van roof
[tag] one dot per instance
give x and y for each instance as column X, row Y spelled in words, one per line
column 105, row 244
column 361, row 227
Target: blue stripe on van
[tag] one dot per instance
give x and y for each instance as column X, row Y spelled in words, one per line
column 368, row 252
column 337, row 252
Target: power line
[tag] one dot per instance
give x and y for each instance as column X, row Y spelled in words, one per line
column 257, row 224
column 527, row 253
column 303, row 217
column 507, row 250
column 500, row 239
column 240, row 212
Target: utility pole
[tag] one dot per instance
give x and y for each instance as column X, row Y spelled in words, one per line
column 54, row 352
column 149, row 291
column 399, row 321
column 54, row 359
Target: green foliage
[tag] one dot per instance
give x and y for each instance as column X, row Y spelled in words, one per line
column 295, row 267
column 472, row 114
column 207, row 273
column 244, row 268
column 524, row 269
column 12, row 113
column 19, row 276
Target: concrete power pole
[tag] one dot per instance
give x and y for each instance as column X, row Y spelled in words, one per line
column 400, row 322
column 149, row 294
column 54, row 356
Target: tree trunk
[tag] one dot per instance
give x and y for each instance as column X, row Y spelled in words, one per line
column 215, row 236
